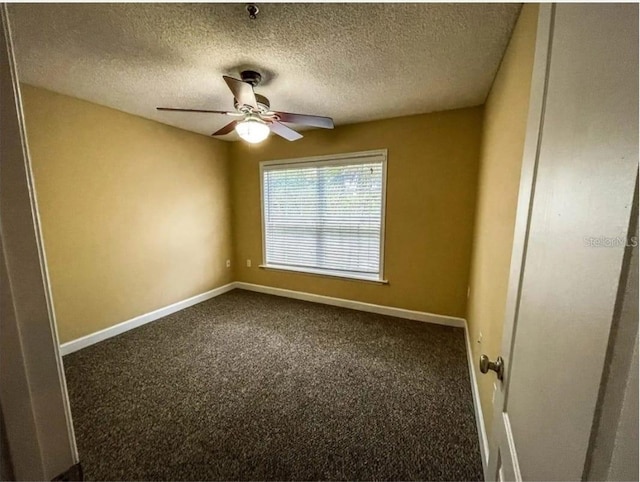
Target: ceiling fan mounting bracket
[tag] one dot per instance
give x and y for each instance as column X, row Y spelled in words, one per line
column 251, row 77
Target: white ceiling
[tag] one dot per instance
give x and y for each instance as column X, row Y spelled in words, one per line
column 352, row 62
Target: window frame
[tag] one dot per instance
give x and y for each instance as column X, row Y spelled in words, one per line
column 327, row 160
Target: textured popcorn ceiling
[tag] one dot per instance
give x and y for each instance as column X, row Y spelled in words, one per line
column 353, row 62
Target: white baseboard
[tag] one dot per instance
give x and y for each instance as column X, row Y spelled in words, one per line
column 85, row 341
column 356, row 305
column 482, row 433
column 79, row 343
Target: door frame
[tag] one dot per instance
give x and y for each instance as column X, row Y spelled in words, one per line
column 33, row 391
column 526, row 191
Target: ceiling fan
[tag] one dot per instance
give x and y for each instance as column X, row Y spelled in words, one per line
column 255, row 119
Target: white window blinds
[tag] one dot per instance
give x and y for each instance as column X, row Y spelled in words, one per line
column 325, row 216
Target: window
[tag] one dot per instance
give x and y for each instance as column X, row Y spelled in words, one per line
column 325, row 215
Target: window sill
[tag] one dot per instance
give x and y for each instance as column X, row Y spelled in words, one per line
column 324, row 273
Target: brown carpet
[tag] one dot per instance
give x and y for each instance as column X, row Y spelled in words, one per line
column 249, row 386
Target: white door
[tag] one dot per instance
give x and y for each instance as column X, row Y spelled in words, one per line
column 577, row 186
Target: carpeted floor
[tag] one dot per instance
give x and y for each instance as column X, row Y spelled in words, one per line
column 249, row 386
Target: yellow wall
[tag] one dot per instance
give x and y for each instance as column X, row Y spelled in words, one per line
column 505, row 119
column 431, row 190
column 135, row 214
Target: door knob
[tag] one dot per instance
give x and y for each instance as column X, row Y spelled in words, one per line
column 497, row 366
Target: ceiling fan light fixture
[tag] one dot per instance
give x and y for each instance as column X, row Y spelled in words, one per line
column 252, row 130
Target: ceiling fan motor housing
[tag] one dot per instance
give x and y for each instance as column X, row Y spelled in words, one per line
column 253, row 78
column 263, row 104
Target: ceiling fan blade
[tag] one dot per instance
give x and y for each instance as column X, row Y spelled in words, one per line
column 174, row 109
column 306, row 120
column 226, row 129
column 284, row 131
column 242, row 91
